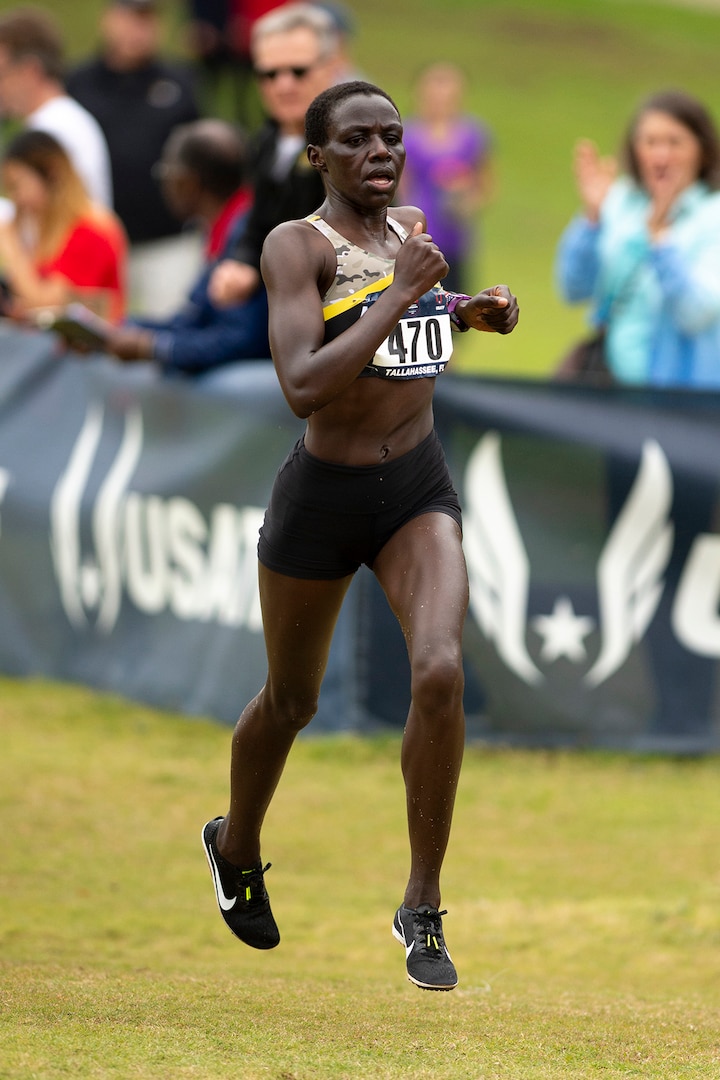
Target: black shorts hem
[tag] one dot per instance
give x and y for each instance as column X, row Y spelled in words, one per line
column 325, row 520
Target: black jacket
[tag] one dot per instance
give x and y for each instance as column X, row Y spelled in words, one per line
column 137, row 110
column 296, row 196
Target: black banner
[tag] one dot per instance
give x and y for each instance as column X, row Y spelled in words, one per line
column 129, row 510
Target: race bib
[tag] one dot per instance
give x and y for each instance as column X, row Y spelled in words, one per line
column 420, row 345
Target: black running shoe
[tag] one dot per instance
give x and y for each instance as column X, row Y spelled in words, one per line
column 428, row 962
column 241, row 895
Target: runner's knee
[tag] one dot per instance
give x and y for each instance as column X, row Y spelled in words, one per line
column 293, row 709
column 438, row 682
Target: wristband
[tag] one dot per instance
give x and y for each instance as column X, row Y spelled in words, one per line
column 457, row 323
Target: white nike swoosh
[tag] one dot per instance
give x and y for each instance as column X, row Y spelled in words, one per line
column 408, row 949
column 226, row 903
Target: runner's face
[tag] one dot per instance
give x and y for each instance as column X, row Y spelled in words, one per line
column 364, row 155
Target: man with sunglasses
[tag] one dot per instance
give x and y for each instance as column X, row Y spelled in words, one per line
column 296, row 53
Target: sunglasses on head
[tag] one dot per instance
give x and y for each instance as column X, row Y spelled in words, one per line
column 270, row 74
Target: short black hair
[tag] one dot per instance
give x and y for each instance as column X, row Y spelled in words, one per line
column 322, row 109
column 693, row 115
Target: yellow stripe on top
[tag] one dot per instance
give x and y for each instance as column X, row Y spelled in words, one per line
column 336, row 307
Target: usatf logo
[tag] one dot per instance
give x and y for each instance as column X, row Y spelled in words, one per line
column 160, row 553
column 630, row 575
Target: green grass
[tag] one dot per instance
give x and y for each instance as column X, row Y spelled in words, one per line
column 542, row 74
column 583, row 890
column 583, row 894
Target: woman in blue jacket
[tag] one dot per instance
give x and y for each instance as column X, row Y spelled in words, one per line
column 646, row 248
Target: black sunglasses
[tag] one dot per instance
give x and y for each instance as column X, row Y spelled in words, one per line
column 270, row 74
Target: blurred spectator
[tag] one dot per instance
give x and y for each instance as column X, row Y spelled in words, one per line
column 202, row 171
column 31, row 90
column 346, row 70
column 646, row 251
column 218, row 33
column 295, row 55
column 242, row 16
column 646, row 248
column 138, row 98
column 447, row 170
column 60, row 246
column 211, row 45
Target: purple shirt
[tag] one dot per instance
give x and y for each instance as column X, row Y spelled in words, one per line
column 432, row 171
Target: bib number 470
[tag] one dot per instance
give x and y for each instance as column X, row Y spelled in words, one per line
column 416, row 340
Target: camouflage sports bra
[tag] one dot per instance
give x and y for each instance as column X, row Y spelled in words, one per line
column 420, row 345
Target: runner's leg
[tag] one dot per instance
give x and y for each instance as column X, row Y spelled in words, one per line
column 299, row 618
column 422, row 571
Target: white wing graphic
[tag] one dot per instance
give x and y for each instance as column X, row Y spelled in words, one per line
column 65, row 514
column 4, row 481
column 498, row 566
column 633, row 561
column 106, row 518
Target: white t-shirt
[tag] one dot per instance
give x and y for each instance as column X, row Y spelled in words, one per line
column 80, row 135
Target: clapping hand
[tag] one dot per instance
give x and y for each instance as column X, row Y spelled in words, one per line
column 594, row 175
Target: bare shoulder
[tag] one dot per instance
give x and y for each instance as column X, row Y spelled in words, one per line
column 291, row 244
column 288, row 234
column 408, row 216
column 297, row 257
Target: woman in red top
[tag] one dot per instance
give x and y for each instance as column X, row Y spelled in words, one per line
column 60, row 247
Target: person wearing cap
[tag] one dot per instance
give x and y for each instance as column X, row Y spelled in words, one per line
column 296, row 55
column 139, row 98
column 32, row 91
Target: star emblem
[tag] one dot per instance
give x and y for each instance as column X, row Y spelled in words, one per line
column 563, row 632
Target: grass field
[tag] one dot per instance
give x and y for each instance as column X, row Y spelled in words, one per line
column 583, row 889
column 583, row 895
column 542, row 74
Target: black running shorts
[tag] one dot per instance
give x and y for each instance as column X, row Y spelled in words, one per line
column 325, row 520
